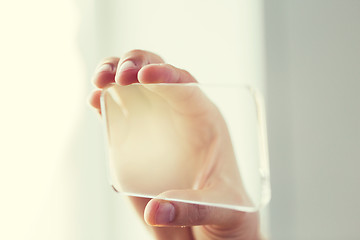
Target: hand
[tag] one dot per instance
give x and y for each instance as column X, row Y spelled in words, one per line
column 194, row 115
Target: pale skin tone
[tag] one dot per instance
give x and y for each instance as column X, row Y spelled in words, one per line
column 166, row 219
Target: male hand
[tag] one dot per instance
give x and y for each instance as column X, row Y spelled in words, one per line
column 207, row 141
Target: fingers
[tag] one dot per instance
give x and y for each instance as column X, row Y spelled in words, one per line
column 186, row 99
column 94, row 98
column 164, row 73
column 123, row 72
column 131, row 63
column 146, row 67
column 161, row 233
column 159, row 212
column 105, row 72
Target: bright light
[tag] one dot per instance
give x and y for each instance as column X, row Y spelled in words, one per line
column 41, row 78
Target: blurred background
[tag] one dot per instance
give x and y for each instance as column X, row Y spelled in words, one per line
column 304, row 56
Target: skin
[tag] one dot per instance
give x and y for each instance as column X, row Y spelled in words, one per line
column 171, row 219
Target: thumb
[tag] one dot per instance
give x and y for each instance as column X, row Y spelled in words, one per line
column 160, row 212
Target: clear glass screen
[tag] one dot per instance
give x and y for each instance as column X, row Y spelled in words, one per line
column 193, row 143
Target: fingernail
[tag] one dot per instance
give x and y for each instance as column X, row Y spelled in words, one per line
column 105, row 68
column 165, row 213
column 127, row 65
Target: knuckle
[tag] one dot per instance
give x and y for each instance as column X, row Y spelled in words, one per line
column 145, row 57
column 110, row 59
column 136, row 55
column 136, row 52
column 139, row 57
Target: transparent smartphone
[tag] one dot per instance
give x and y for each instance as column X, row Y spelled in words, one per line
column 193, row 143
